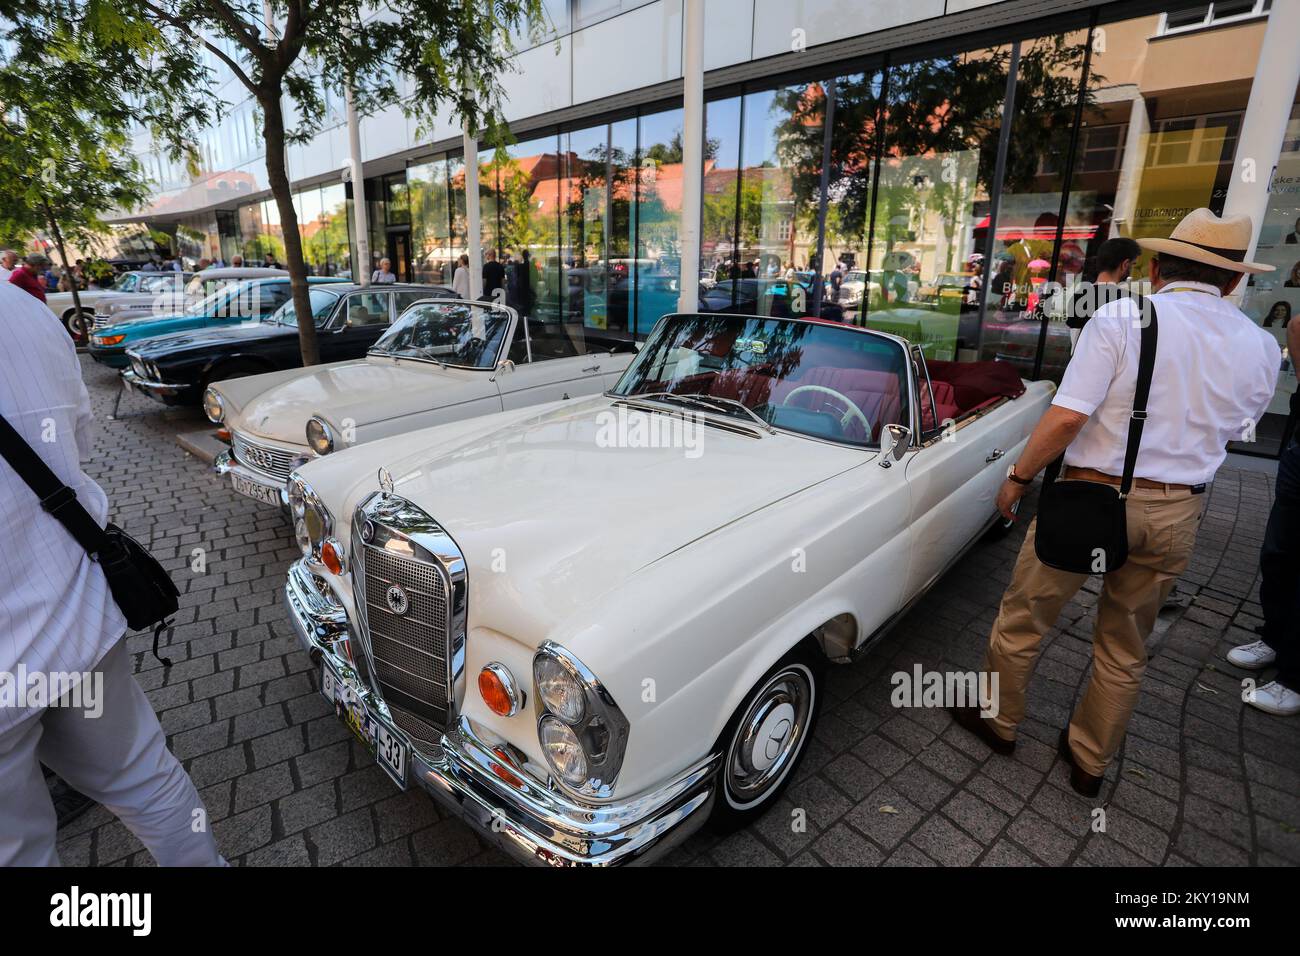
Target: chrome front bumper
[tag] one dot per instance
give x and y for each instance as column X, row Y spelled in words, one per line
column 159, row 390
column 225, row 464
column 476, row 777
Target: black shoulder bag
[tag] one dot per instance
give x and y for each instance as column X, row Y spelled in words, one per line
column 141, row 586
column 1082, row 525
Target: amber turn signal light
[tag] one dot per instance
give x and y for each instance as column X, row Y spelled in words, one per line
column 497, row 687
column 331, row 555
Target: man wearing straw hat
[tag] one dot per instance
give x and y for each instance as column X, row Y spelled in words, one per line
column 1215, row 371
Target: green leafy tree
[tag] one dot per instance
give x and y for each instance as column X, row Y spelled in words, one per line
column 65, row 134
column 288, row 53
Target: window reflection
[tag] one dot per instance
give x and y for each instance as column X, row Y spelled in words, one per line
column 1024, row 244
column 428, row 200
column 657, row 266
column 780, row 188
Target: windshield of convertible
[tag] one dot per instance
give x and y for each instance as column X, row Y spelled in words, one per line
column 825, row 381
column 448, row 333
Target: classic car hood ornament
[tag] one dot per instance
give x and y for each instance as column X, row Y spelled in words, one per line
column 389, row 504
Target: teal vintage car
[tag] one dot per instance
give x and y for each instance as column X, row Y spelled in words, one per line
column 249, row 300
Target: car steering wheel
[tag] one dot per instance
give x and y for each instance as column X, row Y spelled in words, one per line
column 852, row 412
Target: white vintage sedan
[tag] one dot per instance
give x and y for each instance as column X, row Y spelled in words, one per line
column 590, row 627
column 441, row 361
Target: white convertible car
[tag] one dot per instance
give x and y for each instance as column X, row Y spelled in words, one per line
column 588, row 627
column 441, row 361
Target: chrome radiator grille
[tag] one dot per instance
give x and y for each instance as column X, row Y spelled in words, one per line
column 408, row 650
column 269, row 461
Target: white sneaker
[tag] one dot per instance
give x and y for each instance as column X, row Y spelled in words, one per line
column 1252, row 657
column 1273, row 698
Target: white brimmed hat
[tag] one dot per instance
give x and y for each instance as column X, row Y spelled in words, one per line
column 1212, row 240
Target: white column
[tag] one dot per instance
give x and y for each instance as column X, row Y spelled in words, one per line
column 473, row 240
column 1267, row 113
column 688, row 299
column 360, row 268
column 1130, row 173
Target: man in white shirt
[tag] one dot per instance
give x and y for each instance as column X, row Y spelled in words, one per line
column 59, row 625
column 1215, row 371
column 8, row 261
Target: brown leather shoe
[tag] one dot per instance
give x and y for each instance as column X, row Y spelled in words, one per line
column 970, row 719
column 1084, row 783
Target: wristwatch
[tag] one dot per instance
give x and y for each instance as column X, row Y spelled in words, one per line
column 1012, row 476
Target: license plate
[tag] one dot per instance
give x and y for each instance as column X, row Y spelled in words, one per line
column 266, row 494
column 388, row 747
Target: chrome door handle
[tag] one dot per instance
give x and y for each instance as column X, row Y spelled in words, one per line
column 995, row 454
column 593, row 368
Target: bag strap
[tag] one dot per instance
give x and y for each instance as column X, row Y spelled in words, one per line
column 56, row 498
column 1138, row 417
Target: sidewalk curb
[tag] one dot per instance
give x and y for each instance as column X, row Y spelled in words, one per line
column 201, row 443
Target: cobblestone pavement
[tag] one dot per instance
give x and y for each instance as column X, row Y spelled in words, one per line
column 1202, row 778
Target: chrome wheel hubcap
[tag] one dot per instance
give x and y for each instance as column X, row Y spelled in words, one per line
column 769, row 736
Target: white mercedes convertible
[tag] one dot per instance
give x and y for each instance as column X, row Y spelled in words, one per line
column 441, row 361
column 590, row 626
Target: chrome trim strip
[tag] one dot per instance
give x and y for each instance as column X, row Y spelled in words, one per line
column 133, row 378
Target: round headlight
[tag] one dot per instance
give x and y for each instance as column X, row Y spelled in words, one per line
column 213, row 406
column 319, row 437
column 563, row 750
column 559, row 689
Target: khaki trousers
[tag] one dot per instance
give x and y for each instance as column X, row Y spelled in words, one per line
column 1162, row 527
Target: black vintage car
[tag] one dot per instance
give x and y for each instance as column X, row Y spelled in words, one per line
column 176, row 368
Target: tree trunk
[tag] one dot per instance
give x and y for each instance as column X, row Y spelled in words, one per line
column 278, row 176
column 67, row 269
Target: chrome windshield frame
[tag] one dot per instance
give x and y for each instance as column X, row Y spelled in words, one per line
column 907, row 400
column 506, row 341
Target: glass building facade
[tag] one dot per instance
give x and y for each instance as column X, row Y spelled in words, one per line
column 935, row 192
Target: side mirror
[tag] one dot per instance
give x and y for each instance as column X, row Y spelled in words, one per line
column 894, row 442
column 505, row 365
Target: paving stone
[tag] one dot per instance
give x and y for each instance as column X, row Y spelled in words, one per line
column 445, row 844
column 942, row 841
column 1005, row 853
column 841, row 846
column 323, row 764
column 821, row 801
column 1208, row 850
column 342, row 837
column 263, row 786
column 307, row 807
column 200, row 740
column 1044, row 840
column 397, row 853
column 977, row 817
column 908, row 855
column 243, row 833
column 288, row 852
column 278, row 746
column 923, row 787
column 217, row 766
column 884, row 827
column 852, row 776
